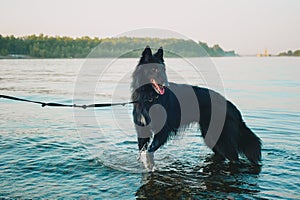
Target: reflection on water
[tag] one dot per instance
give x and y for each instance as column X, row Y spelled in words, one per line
column 46, row 153
column 213, row 179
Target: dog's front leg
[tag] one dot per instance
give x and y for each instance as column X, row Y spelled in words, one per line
column 143, row 143
column 159, row 139
column 144, row 134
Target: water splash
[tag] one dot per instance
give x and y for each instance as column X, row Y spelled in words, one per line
column 147, row 159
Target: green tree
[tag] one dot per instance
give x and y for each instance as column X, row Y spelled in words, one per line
column 43, row 46
column 297, row 53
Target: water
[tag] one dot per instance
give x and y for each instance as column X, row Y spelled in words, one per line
column 61, row 152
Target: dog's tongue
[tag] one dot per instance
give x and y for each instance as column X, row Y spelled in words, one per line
column 158, row 88
column 161, row 90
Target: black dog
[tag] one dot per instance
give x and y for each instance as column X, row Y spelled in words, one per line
column 164, row 108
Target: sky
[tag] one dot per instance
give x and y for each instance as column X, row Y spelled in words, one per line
column 246, row 26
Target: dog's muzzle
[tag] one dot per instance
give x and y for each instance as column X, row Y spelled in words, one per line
column 159, row 88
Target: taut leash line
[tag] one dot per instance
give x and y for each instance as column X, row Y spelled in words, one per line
column 43, row 104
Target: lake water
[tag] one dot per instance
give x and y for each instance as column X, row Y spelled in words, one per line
column 75, row 153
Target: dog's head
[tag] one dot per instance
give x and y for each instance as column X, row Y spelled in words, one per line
column 151, row 70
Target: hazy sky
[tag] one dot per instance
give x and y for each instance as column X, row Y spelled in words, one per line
column 247, row 26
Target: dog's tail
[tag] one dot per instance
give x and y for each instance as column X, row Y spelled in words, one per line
column 250, row 144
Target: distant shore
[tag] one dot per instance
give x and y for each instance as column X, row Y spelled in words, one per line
column 16, row 57
column 42, row 46
column 290, row 53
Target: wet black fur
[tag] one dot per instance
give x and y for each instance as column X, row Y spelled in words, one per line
column 236, row 138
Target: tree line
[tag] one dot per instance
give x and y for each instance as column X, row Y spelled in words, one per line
column 43, row 46
column 290, row 53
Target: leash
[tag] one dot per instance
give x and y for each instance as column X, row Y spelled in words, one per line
column 44, row 104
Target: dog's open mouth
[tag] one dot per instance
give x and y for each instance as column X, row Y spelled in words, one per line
column 159, row 89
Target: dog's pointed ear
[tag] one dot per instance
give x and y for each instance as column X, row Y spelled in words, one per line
column 146, row 55
column 160, row 54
